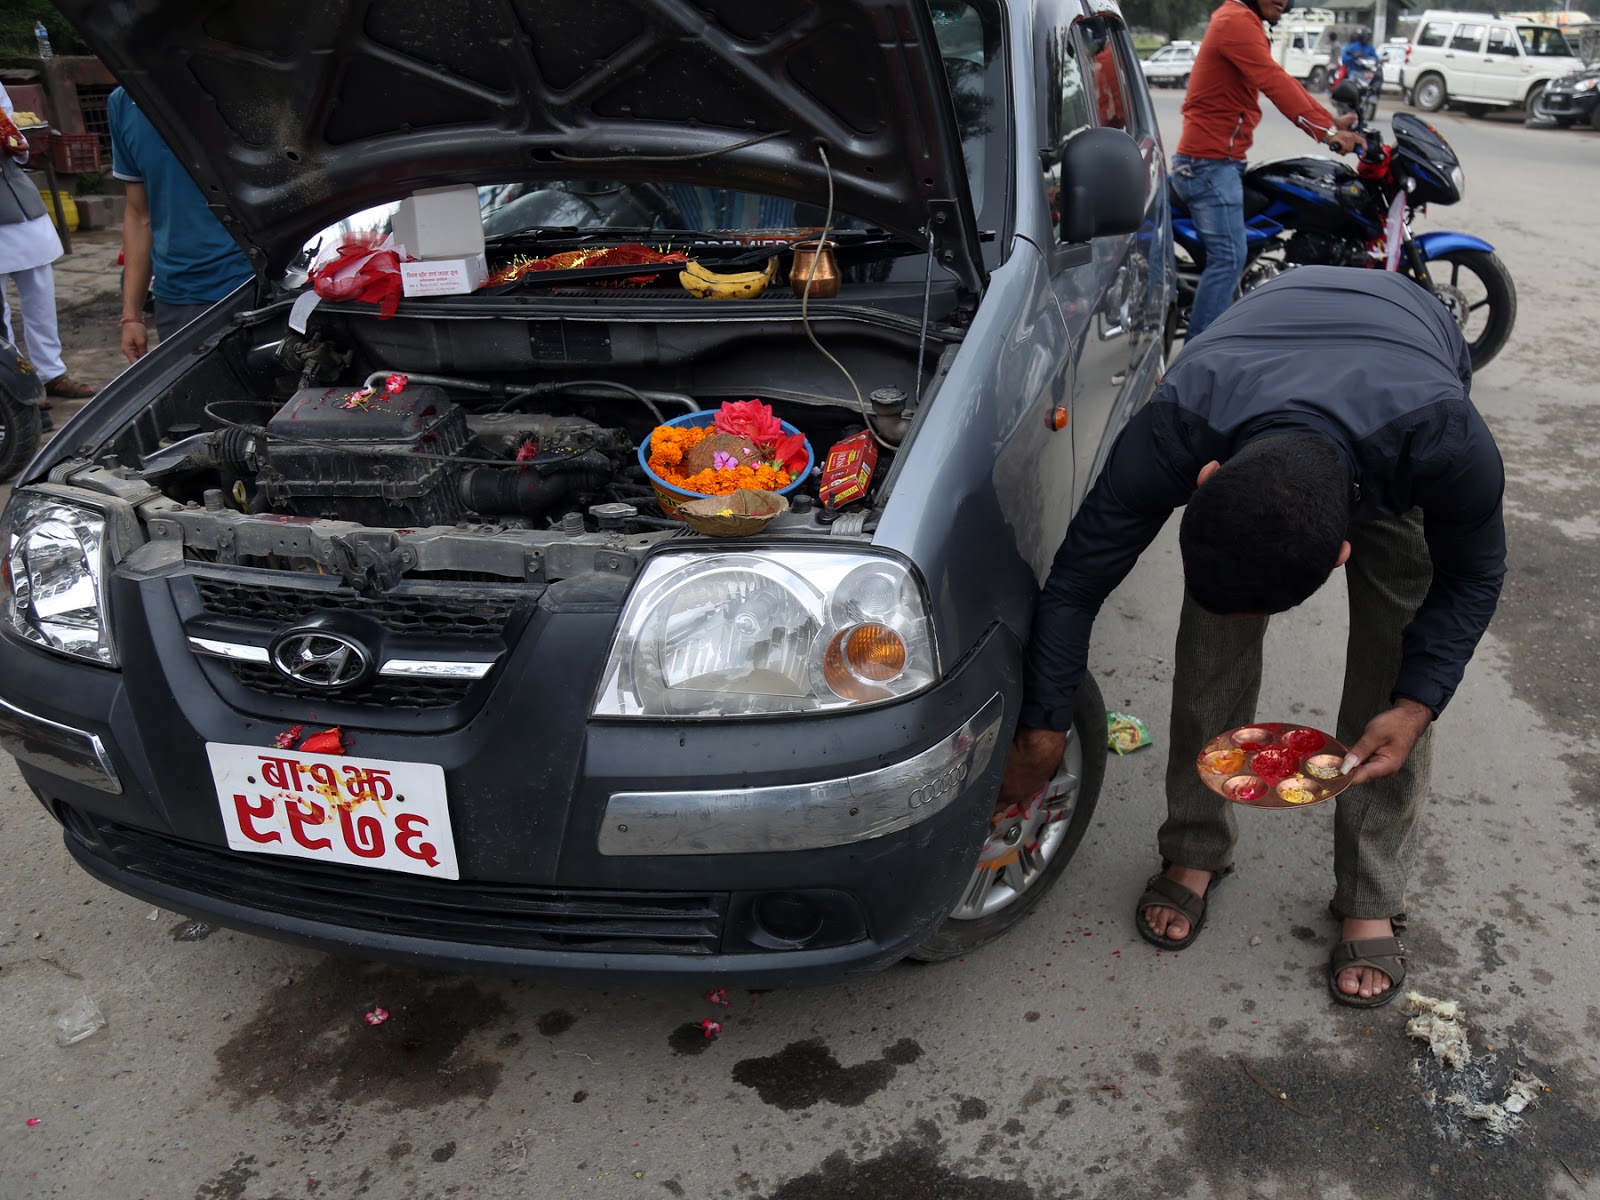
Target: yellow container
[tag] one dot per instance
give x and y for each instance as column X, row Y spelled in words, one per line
column 69, row 209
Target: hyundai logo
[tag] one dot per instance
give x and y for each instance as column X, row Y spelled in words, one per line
column 320, row 659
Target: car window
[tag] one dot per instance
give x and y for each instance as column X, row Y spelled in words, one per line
column 1502, row 41
column 1468, row 38
column 1066, row 106
column 1165, row 54
column 1114, row 106
column 1543, row 41
column 1434, row 33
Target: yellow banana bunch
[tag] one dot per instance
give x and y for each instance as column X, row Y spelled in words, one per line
column 726, row 285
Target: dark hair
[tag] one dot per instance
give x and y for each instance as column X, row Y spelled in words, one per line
column 1264, row 531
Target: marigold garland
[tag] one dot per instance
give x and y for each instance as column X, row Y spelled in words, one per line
column 668, row 445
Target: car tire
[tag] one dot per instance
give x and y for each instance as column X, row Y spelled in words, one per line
column 1563, row 122
column 21, row 426
column 1594, row 118
column 1082, row 772
column 1429, row 94
column 1182, row 82
column 1534, row 107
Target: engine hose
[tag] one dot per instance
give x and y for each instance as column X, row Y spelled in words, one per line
column 494, row 490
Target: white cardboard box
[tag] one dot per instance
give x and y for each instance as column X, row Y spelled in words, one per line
column 442, row 222
column 444, row 276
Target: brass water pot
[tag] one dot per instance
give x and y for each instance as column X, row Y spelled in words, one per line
column 815, row 261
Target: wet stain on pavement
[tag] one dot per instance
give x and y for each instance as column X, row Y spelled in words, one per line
column 445, row 1152
column 308, row 1042
column 191, row 931
column 910, row 1168
column 555, row 1022
column 231, row 1184
column 805, row 1073
column 971, row 1109
column 1365, row 1110
column 689, row 1038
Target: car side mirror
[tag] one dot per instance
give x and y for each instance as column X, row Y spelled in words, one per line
column 1104, row 184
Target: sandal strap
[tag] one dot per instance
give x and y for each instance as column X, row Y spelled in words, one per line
column 1385, row 954
column 1160, row 891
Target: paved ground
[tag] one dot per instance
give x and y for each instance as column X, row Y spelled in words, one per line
column 1070, row 1060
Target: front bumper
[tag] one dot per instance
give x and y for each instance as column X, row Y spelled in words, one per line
column 1574, row 105
column 841, row 841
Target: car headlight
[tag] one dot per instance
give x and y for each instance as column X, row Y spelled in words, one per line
column 768, row 631
column 53, row 558
column 1586, row 85
column 1458, row 177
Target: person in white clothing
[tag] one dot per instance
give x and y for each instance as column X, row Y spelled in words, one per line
column 28, row 247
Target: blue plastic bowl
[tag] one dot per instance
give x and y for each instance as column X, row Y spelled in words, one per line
column 670, row 495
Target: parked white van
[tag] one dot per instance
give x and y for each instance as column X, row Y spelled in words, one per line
column 1300, row 44
column 1478, row 61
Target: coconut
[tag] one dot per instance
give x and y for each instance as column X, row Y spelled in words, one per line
column 703, row 453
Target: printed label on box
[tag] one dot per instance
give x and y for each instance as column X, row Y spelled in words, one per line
column 444, row 277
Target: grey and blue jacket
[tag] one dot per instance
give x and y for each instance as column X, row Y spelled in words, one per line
column 1364, row 358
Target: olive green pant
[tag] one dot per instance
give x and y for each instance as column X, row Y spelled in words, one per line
column 1215, row 685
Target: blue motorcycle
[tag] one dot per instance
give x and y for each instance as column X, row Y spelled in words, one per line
column 1315, row 210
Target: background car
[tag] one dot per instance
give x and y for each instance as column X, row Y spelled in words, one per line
column 1393, row 54
column 1171, row 64
column 366, row 626
column 1477, row 61
column 1573, row 99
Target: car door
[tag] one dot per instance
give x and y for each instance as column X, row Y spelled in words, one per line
column 1463, row 60
column 1505, row 69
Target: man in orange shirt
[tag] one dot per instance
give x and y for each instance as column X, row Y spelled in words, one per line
column 1231, row 71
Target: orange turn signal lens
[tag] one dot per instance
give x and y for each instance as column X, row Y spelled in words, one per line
column 861, row 656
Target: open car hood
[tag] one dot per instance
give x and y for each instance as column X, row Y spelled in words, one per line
column 294, row 114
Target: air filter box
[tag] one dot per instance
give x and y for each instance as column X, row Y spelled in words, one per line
column 376, row 458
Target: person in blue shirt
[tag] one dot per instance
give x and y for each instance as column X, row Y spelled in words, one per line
column 1358, row 47
column 167, row 230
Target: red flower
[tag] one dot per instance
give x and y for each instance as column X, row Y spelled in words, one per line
column 326, row 742
column 712, row 1028
column 395, row 384
column 751, row 419
column 790, row 453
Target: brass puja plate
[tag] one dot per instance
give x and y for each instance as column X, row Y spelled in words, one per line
column 1273, row 764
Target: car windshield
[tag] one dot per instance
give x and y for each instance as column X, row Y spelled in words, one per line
column 1543, row 41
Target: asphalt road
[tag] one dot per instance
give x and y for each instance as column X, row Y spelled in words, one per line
column 1069, row 1060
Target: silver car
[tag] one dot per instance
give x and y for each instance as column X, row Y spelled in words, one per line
column 365, row 625
column 1171, row 65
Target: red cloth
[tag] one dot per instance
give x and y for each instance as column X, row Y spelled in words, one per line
column 362, row 268
column 1232, row 69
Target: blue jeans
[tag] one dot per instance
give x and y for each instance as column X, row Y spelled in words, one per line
column 1213, row 190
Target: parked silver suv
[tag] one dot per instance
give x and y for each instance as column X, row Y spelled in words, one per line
column 577, row 736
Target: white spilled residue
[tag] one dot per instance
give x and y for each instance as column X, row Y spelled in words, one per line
column 1442, row 1024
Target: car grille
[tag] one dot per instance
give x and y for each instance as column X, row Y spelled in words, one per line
column 381, row 692
column 483, row 914
column 486, row 613
column 402, row 613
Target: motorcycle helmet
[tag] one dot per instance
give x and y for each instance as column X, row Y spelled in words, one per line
column 1363, row 34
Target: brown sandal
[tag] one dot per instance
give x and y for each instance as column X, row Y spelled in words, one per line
column 1161, row 892
column 64, row 387
column 1384, row 954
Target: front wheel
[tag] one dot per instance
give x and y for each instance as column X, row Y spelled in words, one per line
column 1477, row 289
column 1534, row 106
column 1429, row 95
column 20, row 429
column 1024, row 856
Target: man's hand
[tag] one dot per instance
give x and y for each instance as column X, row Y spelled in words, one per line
column 1347, row 121
column 1034, row 759
column 1387, row 741
column 135, row 340
column 1346, row 142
